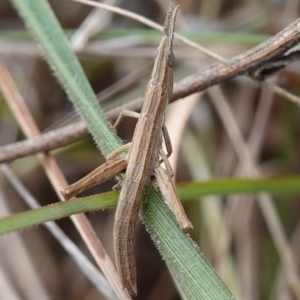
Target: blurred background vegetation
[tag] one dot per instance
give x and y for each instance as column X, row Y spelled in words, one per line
column 231, row 230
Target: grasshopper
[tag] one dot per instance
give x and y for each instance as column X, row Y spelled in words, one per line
column 143, row 161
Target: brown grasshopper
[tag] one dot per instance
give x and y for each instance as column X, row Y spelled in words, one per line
column 143, row 160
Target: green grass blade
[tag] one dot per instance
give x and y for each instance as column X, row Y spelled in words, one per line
column 281, row 186
column 56, row 211
column 149, row 34
column 183, row 257
column 276, row 185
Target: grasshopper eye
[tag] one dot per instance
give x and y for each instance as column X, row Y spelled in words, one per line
column 171, row 59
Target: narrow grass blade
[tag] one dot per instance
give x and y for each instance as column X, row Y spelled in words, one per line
column 282, row 186
column 189, row 267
